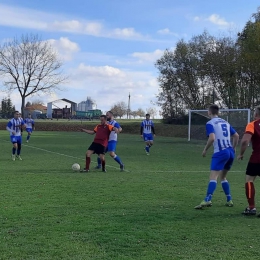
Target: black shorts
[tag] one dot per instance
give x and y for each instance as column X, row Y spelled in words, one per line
column 97, row 148
column 253, row 169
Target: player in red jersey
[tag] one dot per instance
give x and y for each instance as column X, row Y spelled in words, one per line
column 252, row 134
column 100, row 142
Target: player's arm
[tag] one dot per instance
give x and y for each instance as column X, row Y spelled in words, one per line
column 235, row 137
column 119, row 128
column 33, row 125
column 153, row 131
column 246, row 139
column 8, row 128
column 91, row 132
column 210, row 141
column 141, row 129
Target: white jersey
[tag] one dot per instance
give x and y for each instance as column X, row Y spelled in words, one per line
column 113, row 134
column 14, row 125
column 29, row 122
column 222, row 130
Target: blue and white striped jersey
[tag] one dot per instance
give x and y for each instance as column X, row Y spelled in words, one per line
column 14, row 125
column 29, row 122
column 113, row 134
column 147, row 126
column 222, row 130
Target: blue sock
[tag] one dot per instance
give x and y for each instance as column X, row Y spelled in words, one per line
column 14, row 150
column 211, row 188
column 99, row 162
column 226, row 189
column 18, row 151
column 28, row 137
column 117, row 159
column 147, row 148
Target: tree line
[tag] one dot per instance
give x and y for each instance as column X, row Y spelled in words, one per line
column 208, row 69
column 120, row 109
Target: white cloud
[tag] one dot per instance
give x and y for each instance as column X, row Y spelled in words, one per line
column 64, row 47
column 33, row 19
column 214, row 19
column 148, row 56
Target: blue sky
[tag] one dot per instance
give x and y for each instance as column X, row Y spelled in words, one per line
column 109, row 47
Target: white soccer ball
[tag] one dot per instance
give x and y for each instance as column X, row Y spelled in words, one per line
column 75, row 167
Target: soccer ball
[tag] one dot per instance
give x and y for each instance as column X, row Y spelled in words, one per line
column 75, row 167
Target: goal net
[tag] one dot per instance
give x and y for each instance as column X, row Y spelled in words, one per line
column 238, row 119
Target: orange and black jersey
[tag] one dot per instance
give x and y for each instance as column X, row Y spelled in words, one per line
column 102, row 134
column 253, row 128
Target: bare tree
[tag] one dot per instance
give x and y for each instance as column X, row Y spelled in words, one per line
column 119, row 109
column 152, row 111
column 30, row 66
column 140, row 112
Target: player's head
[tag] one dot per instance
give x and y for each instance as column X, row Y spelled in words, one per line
column 19, row 115
column 29, row 115
column 213, row 110
column 109, row 115
column 103, row 119
column 147, row 116
column 257, row 113
column 16, row 114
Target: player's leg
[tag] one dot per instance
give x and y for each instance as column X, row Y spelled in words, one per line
column 103, row 161
column 14, row 143
column 98, row 163
column 217, row 165
column 19, row 147
column 111, row 148
column 223, row 178
column 88, row 159
column 252, row 171
column 29, row 132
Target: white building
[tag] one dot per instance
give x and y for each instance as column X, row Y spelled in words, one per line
column 89, row 104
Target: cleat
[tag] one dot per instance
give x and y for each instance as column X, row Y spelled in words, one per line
column 27, row 141
column 98, row 167
column 229, row 203
column 104, row 170
column 122, row 167
column 84, row 170
column 13, row 157
column 147, row 154
column 19, row 157
column 204, row 204
column 249, row 212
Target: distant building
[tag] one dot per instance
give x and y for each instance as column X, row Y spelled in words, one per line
column 89, row 104
column 35, row 110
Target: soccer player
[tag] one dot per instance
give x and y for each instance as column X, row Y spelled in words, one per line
column 147, row 133
column 252, row 134
column 29, row 122
column 100, row 142
column 112, row 142
column 14, row 127
column 219, row 132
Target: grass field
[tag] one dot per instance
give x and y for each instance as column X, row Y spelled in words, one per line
column 47, row 211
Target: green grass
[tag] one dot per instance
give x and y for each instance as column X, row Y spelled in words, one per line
column 49, row 212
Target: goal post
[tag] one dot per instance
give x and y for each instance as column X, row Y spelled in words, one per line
column 236, row 117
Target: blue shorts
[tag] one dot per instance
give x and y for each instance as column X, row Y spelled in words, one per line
column 222, row 160
column 16, row 139
column 148, row 137
column 29, row 130
column 111, row 147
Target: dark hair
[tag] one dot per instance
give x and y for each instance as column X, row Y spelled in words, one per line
column 29, row 114
column 16, row 112
column 104, row 116
column 147, row 115
column 110, row 113
column 214, row 109
column 257, row 110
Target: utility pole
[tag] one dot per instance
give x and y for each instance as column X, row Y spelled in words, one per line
column 128, row 107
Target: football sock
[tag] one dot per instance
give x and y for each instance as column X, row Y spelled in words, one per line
column 99, row 161
column 211, row 188
column 103, row 164
column 117, row 159
column 250, row 194
column 226, row 189
column 87, row 162
column 14, row 150
column 28, row 137
column 18, row 151
column 147, row 148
